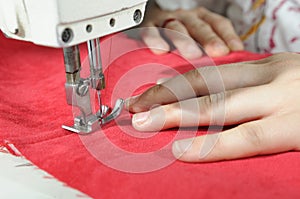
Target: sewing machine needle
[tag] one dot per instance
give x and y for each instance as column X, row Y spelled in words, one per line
column 100, row 103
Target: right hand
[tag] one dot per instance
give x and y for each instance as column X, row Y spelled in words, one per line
column 260, row 98
column 212, row 31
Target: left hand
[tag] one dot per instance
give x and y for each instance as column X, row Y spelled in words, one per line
column 261, row 96
column 212, row 31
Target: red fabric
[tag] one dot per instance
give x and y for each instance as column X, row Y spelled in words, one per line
column 33, row 107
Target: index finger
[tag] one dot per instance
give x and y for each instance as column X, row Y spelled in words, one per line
column 202, row 81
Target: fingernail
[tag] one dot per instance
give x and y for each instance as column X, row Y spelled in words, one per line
column 141, row 119
column 221, row 47
column 235, row 45
column 191, row 49
column 159, row 48
column 180, row 147
column 130, row 101
column 192, row 52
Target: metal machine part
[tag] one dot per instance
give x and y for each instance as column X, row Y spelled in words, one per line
column 78, row 90
column 65, row 24
column 96, row 71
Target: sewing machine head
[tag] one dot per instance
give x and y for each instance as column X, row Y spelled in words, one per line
column 65, row 24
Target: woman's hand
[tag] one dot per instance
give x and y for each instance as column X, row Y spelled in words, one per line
column 212, row 31
column 263, row 97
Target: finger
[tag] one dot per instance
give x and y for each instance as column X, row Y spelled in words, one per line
column 261, row 137
column 203, row 33
column 152, row 38
column 181, row 40
column 199, row 82
column 231, row 107
column 223, row 28
column 162, row 80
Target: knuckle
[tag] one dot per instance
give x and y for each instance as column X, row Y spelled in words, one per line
column 205, row 106
column 281, row 62
column 203, row 26
column 199, row 25
column 213, row 38
column 201, row 10
column 155, row 90
column 218, row 108
column 180, row 11
column 252, row 133
column 173, row 25
column 213, row 107
column 230, row 37
column 173, row 109
column 169, row 15
column 280, row 58
column 223, row 23
column 194, row 75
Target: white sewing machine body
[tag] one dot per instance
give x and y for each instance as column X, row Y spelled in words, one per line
column 63, row 23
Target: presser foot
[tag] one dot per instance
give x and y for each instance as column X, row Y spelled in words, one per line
column 91, row 123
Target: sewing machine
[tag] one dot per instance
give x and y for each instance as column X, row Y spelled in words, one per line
column 65, row 24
